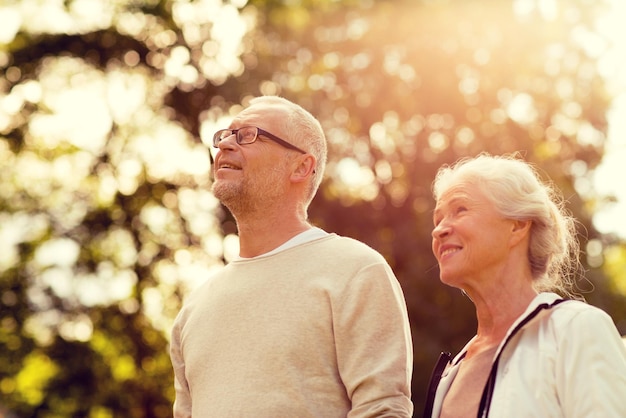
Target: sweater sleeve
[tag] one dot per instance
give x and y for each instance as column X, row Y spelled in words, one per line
column 591, row 369
column 182, row 403
column 373, row 343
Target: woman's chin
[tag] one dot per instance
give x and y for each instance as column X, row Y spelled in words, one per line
column 450, row 279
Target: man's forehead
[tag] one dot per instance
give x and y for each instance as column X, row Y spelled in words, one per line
column 260, row 112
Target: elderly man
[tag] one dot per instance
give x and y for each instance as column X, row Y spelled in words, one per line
column 304, row 323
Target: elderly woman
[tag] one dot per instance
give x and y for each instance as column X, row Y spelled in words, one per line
column 502, row 236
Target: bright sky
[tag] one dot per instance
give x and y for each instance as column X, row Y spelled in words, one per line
column 611, row 175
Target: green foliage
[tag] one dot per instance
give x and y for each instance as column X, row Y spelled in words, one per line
column 106, row 221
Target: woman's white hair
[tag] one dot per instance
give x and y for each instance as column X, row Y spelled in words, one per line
column 517, row 192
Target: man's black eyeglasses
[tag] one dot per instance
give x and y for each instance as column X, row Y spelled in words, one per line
column 249, row 134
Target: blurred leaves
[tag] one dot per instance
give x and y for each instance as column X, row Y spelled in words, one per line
column 106, row 218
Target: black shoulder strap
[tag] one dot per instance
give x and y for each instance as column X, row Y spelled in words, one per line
column 485, row 401
column 435, row 377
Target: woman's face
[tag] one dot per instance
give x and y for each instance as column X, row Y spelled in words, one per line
column 471, row 240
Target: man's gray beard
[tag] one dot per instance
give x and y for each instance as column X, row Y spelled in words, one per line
column 249, row 196
column 230, row 195
column 239, row 199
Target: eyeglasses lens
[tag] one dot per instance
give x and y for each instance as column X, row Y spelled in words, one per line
column 247, row 135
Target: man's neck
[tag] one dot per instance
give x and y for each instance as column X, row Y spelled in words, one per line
column 260, row 236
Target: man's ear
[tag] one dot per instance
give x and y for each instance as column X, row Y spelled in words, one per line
column 520, row 230
column 304, row 169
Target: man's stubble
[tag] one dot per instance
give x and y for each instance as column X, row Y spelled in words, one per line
column 251, row 194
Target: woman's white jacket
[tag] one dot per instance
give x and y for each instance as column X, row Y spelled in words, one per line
column 559, row 359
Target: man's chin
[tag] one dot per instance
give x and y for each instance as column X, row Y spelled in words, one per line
column 223, row 190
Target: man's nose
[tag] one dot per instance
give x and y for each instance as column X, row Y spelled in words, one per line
column 228, row 143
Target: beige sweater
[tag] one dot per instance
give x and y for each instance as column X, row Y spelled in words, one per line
column 318, row 330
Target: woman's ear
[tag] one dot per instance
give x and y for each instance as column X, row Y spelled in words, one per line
column 304, row 169
column 520, row 230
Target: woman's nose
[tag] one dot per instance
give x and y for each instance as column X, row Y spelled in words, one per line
column 441, row 230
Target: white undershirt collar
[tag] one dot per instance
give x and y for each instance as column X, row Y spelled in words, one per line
column 306, row 236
